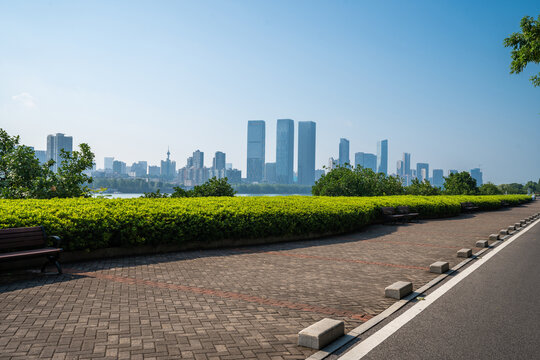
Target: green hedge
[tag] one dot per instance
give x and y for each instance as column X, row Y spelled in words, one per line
column 87, row 224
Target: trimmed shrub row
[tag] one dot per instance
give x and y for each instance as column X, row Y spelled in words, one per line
column 88, row 224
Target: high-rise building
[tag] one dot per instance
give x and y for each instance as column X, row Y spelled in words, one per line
column 400, row 169
column 406, row 164
column 284, row 151
column 344, row 157
column 55, row 143
column 198, row 159
column 219, row 161
column 476, row 174
column 108, row 162
column 306, row 152
column 331, row 164
column 270, row 173
column 119, row 167
column 366, row 160
column 256, row 150
column 438, row 178
column 154, row 171
column 41, row 155
column 168, row 167
column 382, row 156
column 422, row 171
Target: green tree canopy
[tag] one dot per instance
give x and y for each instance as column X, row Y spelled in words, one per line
column 525, row 47
column 22, row 176
column 346, row 181
column 460, row 184
column 489, row 189
column 424, row 188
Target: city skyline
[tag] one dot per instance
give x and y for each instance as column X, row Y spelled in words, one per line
column 163, row 85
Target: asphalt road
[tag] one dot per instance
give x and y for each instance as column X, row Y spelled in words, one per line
column 494, row 313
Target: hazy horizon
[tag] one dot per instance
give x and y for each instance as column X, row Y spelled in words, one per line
column 134, row 78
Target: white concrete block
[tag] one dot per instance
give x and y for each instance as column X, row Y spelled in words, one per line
column 493, row 237
column 398, row 290
column 439, row 267
column 321, row 333
column 482, row 243
column 464, row 253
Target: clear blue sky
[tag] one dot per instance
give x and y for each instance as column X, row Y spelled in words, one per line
column 131, row 78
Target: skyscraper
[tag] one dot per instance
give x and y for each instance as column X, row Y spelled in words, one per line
column 438, row 178
column 382, row 156
column 422, row 171
column 476, row 174
column 219, row 161
column 256, row 150
column 400, row 169
column 306, row 152
column 366, row 160
column 406, row 164
column 344, row 157
column 284, row 151
column 108, row 162
column 198, row 159
column 55, row 143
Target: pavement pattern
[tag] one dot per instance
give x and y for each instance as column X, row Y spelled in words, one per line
column 242, row 303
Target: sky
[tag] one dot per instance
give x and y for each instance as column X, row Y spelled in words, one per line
column 133, row 78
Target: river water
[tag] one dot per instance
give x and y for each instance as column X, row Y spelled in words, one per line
column 131, row 196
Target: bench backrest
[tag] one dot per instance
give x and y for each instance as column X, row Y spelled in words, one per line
column 22, row 238
column 388, row 210
column 403, row 210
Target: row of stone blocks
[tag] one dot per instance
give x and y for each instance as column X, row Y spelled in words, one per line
column 327, row 330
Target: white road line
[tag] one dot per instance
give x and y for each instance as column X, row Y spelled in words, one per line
column 360, row 350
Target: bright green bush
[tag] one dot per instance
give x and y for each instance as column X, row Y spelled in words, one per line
column 87, row 224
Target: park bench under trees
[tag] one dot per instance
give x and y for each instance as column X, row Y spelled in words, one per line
column 29, row 242
column 401, row 213
column 468, row 206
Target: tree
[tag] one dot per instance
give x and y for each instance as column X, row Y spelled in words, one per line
column 424, row 188
column 214, row 187
column 489, row 189
column 460, row 184
column 21, row 175
column 525, row 47
column 346, row 181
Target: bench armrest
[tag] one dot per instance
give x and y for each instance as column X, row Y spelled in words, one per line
column 56, row 240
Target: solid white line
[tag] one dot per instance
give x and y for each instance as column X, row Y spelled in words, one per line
column 377, row 338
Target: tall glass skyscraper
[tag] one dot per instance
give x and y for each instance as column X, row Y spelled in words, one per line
column 306, row 152
column 284, row 151
column 344, row 157
column 366, row 160
column 256, row 150
column 382, row 156
column 438, row 178
column 422, row 171
column 55, row 143
column 476, row 174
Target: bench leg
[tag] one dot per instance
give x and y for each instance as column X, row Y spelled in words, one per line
column 52, row 260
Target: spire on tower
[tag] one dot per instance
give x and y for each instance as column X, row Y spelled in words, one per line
column 168, row 153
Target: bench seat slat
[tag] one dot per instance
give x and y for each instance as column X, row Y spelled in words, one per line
column 21, row 230
column 20, row 235
column 27, row 253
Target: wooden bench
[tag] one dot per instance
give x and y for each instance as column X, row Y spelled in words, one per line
column 468, row 206
column 27, row 242
column 401, row 213
column 406, row 212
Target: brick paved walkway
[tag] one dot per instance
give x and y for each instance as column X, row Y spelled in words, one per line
column 226, row 304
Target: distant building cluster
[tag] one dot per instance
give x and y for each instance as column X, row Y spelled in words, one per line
column 258, row 170
column 282, row 171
